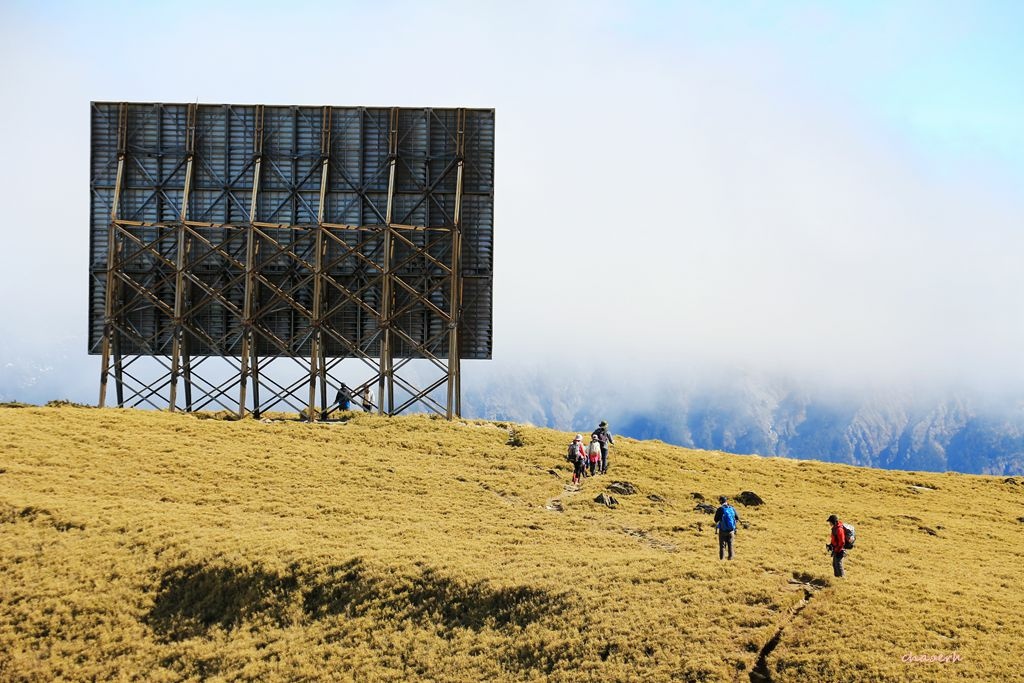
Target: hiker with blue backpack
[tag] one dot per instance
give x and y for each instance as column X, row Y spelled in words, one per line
column 840, row 540
column 726, row 520
column 344, row 397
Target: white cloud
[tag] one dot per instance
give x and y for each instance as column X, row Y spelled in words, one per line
column 654, row 200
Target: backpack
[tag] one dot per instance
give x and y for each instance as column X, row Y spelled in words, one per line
column 573, row 451
column 851, row 537
column 728, row 521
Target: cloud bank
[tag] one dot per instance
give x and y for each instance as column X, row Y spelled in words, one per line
column 675, row 193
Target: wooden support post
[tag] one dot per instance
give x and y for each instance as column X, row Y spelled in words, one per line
column 108, row 299
column 118, row 369
column 186, row 371
column 455, row 300
column 315, row 350
column 248, row 341
column 179, row 270
column 325, row 408
column 387, row 360
column 109, row 331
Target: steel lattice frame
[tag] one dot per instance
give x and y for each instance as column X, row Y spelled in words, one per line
column 283, row 241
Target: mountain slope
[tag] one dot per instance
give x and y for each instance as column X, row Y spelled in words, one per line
column 170, row 547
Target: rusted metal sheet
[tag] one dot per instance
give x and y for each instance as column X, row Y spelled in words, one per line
column 256, row 233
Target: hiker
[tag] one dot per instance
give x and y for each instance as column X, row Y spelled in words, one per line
column 366, row 397
column 344, row 397
column 579, row 459
column 594, row 454
column 837, row 546
column 604, row 438
column 726, row 520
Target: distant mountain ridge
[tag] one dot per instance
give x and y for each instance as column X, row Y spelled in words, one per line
column 736, row 412
column 883, row 429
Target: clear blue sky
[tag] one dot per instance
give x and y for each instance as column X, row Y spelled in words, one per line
column 800, row 187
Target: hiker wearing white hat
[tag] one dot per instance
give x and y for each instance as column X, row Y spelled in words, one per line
column 594, row 454
column 578, row 459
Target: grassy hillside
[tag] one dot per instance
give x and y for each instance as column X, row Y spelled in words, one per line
column 156, row 546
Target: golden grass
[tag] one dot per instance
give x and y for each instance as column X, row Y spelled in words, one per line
column 156, row 546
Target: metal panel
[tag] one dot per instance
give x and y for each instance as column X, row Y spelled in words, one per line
column 271, row 224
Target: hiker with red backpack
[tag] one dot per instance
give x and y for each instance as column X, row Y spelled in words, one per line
column 578, row 457
column 840, row 540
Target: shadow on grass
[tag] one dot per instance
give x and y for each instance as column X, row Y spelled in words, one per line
column 348, row 590
column 194, row 599
column 34, row 515
column 448, row 606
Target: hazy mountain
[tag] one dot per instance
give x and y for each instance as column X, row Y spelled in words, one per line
column 894, row 429
column 737, row 412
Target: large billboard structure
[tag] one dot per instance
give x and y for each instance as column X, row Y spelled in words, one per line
column 245, row 257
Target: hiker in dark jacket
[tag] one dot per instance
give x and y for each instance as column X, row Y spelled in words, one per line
column 726, row 521
column 836, row 545
column 604, row 438
column 344, row 397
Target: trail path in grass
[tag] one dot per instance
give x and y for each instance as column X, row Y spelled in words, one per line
column 761, row 673
column 568, row 491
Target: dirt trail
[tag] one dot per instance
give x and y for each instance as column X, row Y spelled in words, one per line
column 761, row 673
column 555, row 504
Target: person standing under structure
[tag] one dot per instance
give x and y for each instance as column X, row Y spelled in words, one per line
column 366, row 398
column 344, row 397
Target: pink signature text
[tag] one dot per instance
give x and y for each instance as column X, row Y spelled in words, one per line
column 932, row 659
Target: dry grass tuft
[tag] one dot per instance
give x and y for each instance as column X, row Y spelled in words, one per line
column 157, row 546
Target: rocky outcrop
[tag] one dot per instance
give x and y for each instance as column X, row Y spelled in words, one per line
column 750, row 499
column 623, row 488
